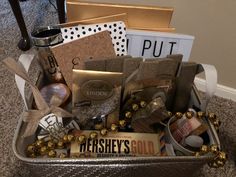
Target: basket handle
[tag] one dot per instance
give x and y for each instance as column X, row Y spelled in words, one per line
column 25, row 60
column 210, row 84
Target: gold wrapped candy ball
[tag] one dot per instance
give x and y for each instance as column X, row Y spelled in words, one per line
column 212, row 116
column 128, row 115
column 103, row 132
column 189, row 114
column 98, row 126
column 65, row 138
column 93, row 135
column 60, row 144
column 214, row 148
column 51, row 145
column 135, row 107
column 52, row 153
column 39, row 143
column 81, row 139
column 70, row 138
column 43, row 150
column 217, row 123
column 31, row 149
column 222, row 156
column 204, row 149
column 200, row 114
column 178, row 115
column 143, row 104
column 220, row 163
column 114, row 128
column 122, row 123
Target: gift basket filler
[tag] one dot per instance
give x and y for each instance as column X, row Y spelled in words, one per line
column 102, row 108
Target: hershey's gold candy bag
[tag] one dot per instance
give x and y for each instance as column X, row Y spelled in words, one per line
column 117, row 145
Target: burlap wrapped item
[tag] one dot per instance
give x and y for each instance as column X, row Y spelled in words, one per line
column 32, row 117
column 184, row 83
column 131, row 65
column 156, row 68
column 111, row 64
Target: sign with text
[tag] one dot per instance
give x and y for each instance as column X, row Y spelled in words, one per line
column 149, row 44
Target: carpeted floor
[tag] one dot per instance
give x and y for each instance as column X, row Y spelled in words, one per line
column 38, row 13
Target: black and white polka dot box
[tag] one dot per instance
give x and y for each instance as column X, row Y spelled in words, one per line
column 137, row 43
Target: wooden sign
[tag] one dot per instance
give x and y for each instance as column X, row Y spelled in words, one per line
column 73, row 54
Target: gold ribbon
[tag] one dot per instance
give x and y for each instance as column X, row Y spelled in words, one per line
column 32, row 117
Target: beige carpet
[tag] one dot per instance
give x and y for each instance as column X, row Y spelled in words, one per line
column 40, row 12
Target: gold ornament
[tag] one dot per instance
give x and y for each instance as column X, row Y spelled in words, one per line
column 39, row 143
column 43, row 150
column 128, row 115
column 222, row 156
column 220, row 163
column 200, row 114
column 214, row 148
column 81, row 139
column 189, row 114
column 93, row 135
column 216, row 123
column 204, row 149
column 212, row 116
column 103, row 132
column 114, row 128
column 122, row 123
column 51, row 145
column 143, row 104
column 65, row 138
column 52, row 153
column 178, row 115
column 71, row 138
column 31, row 148
column 60, row 144
column 98, row 126
column 135, row 107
